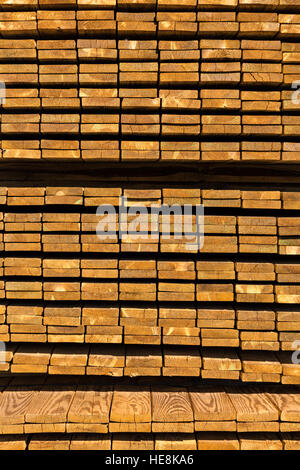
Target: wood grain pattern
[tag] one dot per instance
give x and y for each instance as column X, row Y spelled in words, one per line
column 50, row 405
column 209, row 404
column 171, row 405
column 91, row 405
column 61, row 407
column 14, row 403
column 131, row 404
column 288, row 404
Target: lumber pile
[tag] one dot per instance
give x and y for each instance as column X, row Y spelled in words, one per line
column 76, row 280
column 50, row 407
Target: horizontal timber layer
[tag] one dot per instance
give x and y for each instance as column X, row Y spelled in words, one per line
column 150, row 77
column 157, row 441
column 52, row 254
column 137, row 361
column 250, row 329
column 147, row 151
column 123, row 24
column 51, row 407
column 141, row 5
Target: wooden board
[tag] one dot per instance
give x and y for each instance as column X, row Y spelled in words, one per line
column 211, row 404
column 288, row 402
column 217, row 441
column 50, row 405
column 14, row 403
column 170, row 441
column 128, row 406
column 91, row 405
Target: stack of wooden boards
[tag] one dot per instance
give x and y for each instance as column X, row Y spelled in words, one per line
column 119, row 80
column 142, row 330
